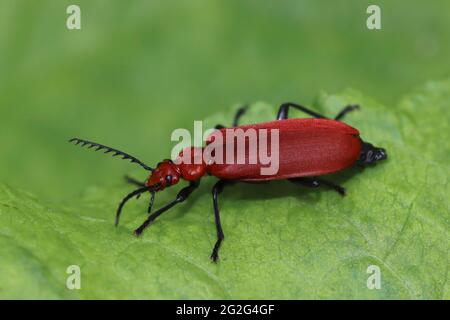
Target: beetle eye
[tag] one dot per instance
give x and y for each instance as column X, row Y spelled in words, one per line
column 169, row 180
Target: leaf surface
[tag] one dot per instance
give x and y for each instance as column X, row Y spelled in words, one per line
column 282, row 241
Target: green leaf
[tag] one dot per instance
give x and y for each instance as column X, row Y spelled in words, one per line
column 282, row 241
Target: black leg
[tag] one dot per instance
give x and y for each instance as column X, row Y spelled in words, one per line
column 181, row 196
column 346, row 110
column 152, row 200
column 135, row 193
column 313, row 182
column 134, row 181
column 239, row 113
column 284, row 110
column 216, row 190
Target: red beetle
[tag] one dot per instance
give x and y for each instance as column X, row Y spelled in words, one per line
column 308, row 148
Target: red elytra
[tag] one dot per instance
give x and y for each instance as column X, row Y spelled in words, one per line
column 307, row 148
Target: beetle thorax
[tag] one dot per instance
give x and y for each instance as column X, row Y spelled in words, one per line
column 191, row 164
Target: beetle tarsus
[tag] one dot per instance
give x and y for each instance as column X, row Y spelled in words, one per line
column 340, row 190
column 215, row 254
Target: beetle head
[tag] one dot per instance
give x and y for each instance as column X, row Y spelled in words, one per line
column 165, row 174
column 168, row 173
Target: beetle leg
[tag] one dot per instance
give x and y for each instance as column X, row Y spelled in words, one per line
column 134, row 181
column 152, row 201
column 239, row 113
column 135, row 193
column 181, row 196
column 284, row 110
column 313, row 182
column 346, row 110
column 216, row 190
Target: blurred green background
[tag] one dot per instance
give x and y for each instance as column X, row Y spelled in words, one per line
column 139, row 69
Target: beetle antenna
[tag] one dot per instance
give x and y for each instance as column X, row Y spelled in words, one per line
column 98, row 146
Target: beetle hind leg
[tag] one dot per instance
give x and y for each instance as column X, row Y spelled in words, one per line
column 316, row 182
column 345, row 110
column 283, row 111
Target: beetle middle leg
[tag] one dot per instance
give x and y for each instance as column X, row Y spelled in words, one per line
column 239, row 113
column 283, row 111
column 313, row 182
column 216, row 190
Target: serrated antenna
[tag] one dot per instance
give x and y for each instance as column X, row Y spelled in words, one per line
column 98, row 146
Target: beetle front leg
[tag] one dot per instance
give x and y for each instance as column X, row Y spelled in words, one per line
column 316, row 182
column 134, row 182
column 181, row 196
column 216, row 190
column 135, row 193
